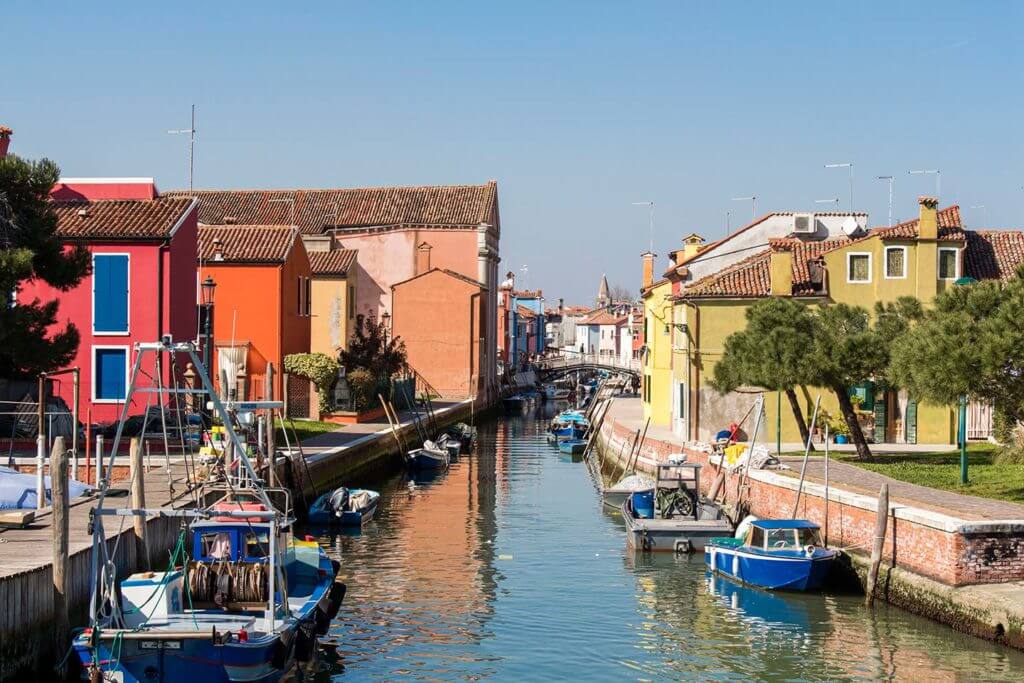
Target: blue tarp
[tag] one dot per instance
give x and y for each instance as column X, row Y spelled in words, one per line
column 18, row 491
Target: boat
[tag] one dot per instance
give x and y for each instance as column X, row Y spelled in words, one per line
column 465, row 433
column 672, row 517
column 553, row 392
column 430, row 457
column 572, row 446
column 241, row 599
column 777, row 554
column 344, row 506
column 18, row 490
column 514, row 403
column 614, row 496
column 450, row 444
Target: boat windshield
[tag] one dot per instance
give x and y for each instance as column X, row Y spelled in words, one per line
column 792, row 538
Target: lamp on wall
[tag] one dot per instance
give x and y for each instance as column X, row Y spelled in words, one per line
column 385, row 318
column 206, row 291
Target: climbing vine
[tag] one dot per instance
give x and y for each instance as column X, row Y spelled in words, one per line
column 318, row 368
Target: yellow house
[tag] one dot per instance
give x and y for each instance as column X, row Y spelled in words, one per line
column 918, row 258
column 656, row 380
column 332, row 299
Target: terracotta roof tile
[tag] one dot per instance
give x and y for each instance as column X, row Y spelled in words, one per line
column 748, row 278
column 318, row 210
column 993, row 254
column 120, row 219
column 525, row 312
column 600, row 317
column 949, row 227
column 332, row 263
column 246, row 243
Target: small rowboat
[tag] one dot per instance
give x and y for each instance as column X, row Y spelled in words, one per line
column 430, row 457
column 344, row 506
column 572, row 446
column 777, row 554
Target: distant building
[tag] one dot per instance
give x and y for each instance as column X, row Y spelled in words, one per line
column 333, row 299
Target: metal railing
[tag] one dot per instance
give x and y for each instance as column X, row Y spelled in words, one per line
column 575, row 359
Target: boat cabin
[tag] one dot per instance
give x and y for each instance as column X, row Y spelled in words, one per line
column 782, row 534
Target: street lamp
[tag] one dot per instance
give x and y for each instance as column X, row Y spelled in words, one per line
column 385, row 318
column 849, row 165
column 938, row 179
column 206, row 291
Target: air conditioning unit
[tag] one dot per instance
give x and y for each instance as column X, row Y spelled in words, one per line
column 803, row 224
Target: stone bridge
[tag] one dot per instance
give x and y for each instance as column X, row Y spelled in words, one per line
column 551, row 368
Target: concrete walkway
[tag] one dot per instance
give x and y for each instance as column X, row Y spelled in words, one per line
column 629, row 412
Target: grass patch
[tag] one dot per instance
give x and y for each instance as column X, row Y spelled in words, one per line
column 304, row 429
column 987, row 478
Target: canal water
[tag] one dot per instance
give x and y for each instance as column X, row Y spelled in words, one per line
column 507, row 568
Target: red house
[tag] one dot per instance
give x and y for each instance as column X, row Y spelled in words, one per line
column 143, row 283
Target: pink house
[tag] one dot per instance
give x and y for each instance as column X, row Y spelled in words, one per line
column 143, row 283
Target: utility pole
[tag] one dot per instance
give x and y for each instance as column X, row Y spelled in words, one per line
column 890, row 179
column 191, row 130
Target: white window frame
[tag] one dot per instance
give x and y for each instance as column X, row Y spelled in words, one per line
column 849, row 271
column 128, row 318
column 127, row 371
column 885, row 273
column 956, row 265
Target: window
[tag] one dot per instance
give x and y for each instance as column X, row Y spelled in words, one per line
column 858, row 267
column 351, row 301
column 948, row 262
column 895, row 262
column 781, row 538
column 110, row 373
column 110, row 294
column 299, row 290
column 257, row 545
column 309, row 296
column 756, row 537
column 216, row 545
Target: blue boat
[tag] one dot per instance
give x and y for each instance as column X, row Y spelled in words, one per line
column 430, row 457
column 572, row 446
column 344, row 506
column 777, row 554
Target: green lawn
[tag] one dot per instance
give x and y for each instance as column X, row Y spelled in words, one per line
column 942, row 471
column 304, row 429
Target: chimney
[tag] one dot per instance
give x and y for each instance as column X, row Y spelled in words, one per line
column 561, row 306
column 218, row 249
column 5, row 140
column 692, row 244
column 928, row 221
column 423, row 258
column 648, row 260
column 782, row 271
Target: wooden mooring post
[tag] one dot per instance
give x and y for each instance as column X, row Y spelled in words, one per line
column 138, row 489
column 881, row 522
column 59, row 486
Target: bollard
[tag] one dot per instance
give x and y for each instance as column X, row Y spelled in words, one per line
column 99, row 460
column 59, row 484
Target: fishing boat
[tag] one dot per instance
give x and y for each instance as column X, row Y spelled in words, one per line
column 672, row 517
column 344, row 506
column 572, row 446
column 777, row 554
column 240, row 599
column 429, row 457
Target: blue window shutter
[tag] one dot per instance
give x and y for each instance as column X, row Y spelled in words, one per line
column 109, row 367
column 110, row 293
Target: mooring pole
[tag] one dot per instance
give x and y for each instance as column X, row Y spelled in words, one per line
column 826, row 483
column 881, row 520
column 271, row 455
column 963, row 440
column 74, row 423
column 59, row 484
column 138, row 489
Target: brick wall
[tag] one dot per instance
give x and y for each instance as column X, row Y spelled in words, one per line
column 938, row 546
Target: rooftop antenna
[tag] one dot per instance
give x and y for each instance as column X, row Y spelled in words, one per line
column 191, row 130
column 286, row 200
column 650, row 246
column 834, row 200
column 753, row 205
column 524, row 270
column 728, row 223
column 890, row 179
column 845, row 164
column 938, row 179
column 984, row 213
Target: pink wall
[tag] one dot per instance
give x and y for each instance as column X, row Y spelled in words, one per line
column 104, row 188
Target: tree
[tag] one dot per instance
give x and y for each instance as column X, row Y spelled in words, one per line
column 31, row 249
column 771, row 352
column 371, row 350
column 971, row 343
column 618, row 293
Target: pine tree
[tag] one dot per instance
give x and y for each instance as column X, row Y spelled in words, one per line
column 370, row 349
column 31, row 250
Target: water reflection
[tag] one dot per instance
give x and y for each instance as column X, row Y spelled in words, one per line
column 506, row 567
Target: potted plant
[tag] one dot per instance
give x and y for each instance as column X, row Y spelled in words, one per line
column 840, row 429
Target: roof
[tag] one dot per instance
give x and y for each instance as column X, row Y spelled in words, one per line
column 784, row 524
column 600, row 317
column 993, row 254
column 121, row 219
column 246, row 243
column 332, row 263
column 525, row 312
column 445, row 271
column 316, row 211
column 949, row 227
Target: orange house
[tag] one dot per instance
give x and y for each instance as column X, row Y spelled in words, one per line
column 262, row 301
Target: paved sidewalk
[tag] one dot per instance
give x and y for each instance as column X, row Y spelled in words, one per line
column 628, row 412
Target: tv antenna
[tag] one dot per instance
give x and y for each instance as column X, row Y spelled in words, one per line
column 191, row 130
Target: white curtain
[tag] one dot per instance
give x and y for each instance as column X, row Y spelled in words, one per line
column 231, row 359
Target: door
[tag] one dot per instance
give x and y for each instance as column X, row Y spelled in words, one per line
column 679, row 425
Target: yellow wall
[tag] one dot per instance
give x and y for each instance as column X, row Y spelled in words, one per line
column 331, row 324
column 657, row 367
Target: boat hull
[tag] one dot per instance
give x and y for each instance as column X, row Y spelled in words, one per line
column 423, row 459
column 320, row 514
column 785, row 573
column 677, row 535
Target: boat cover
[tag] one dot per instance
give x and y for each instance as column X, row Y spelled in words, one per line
column 635, row 482
column 359, row 501
column 18, row 491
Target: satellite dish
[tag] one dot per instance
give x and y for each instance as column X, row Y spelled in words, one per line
column 850, row 226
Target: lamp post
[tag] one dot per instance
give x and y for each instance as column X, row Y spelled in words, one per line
column 206, row 320
column 385, row 318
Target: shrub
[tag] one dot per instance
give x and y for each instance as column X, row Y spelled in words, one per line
column 363, row 386
column 318, row 368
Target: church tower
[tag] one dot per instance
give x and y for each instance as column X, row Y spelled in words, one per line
column 604, row 299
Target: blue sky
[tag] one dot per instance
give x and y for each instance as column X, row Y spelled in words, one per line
column 577, row 109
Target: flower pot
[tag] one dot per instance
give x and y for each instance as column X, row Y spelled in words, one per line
column 842, row 438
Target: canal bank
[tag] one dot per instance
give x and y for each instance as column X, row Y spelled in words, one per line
column 508, row 568
column 956, row 559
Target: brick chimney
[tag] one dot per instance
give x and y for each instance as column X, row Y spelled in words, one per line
column 928, row 218
column 692, row 244
column 648, row 261
column 423, row 258
column 5, row 140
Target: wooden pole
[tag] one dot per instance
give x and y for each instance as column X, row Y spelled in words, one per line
column 41, row 445
column 74, row 424
column 59, row 484
column 271, row 454
column 807, row 453
column 881, row 520
column 138, row 487
column 826, row 483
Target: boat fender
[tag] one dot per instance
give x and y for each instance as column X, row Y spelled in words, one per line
column 282, row 653
column 337, row 596
column 809, row 550
column 328, row 608
column 305, row 641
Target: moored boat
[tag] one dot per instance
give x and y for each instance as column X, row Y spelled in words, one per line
column 614, row 496
column 344, row 506
column 572, row 446
column 777, row 554
column 430, row 457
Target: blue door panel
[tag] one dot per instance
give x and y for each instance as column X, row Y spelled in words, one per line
column 110, row 368
column 110, row 293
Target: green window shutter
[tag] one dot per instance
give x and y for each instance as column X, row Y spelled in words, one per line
column 881, row 418
column 910, row 422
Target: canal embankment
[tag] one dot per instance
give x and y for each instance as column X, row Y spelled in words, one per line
column 27, row 647
column 953, row 558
